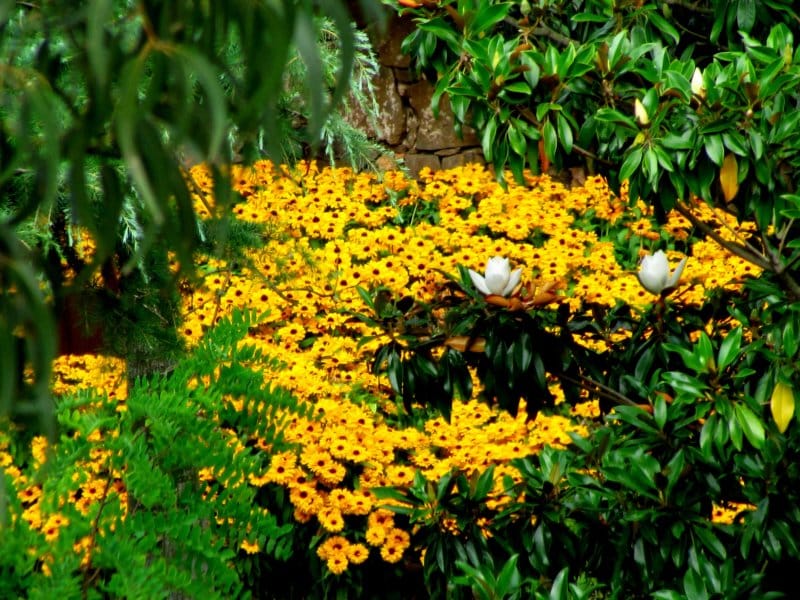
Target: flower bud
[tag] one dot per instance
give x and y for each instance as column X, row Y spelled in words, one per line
column 698, row 85
column 640, row 113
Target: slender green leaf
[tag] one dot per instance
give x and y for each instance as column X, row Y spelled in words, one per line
column 550, row 140
column 560, row 589
column 729, row 348
column 751, row 425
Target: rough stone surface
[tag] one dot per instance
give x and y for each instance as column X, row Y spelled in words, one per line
column 388, row 47
column 416, row 162
column 412, row 127
column 438, row 132
column 391, row 122
column 404, row 76
column 472, row 155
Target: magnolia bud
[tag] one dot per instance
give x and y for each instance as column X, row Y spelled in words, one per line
column 640, row 112
column 698, row 85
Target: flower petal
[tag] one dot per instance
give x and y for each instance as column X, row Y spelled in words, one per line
column 513, row 280
column 497, row 274
column 496, row 282
column 676, row 274
column 479, row 282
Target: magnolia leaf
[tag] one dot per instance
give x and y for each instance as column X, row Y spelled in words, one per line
column 729, row 177
column 782, row 405
column 751, row 425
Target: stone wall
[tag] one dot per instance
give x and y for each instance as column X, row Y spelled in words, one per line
column 406, row 124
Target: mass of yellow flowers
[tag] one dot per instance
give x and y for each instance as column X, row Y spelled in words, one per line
column 328, row 231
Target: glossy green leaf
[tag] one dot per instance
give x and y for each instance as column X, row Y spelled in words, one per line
column 517, row 140
column 693, row 586
column 509, row 578
column 650, row 166
column 664, row 26
column 443, row 30
column 564, row 132
column 484, row 484
column 487, row 16
column 550, row 140
column 746, row 14
column 488, row 138
column 660, row 411
column 729, row 348
column 630, row 164
column 531, row 70
column 710, row 541
column 752, row 426
column 560, row 589
column 715, row 149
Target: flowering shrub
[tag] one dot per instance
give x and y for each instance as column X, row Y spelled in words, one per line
column 290, row 452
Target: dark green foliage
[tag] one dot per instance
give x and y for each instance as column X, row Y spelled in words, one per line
column 629, row 510
column 514, row 350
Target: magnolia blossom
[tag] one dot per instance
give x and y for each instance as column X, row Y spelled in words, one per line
column 499, row 279
column 654, row 273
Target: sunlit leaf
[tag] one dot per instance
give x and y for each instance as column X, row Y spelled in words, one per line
column 781, row 405
column 729, row 177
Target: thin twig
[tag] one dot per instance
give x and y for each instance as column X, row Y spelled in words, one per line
column 590, row 385
column 735, row 233
column 741, row 251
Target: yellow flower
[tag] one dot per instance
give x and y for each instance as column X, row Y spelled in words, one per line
column 357, row 553
column 39, row 449
column 331, row 519
column 729, row 512
column 250, row 547
column 283, row 468
column 337, row 565
column 53, row 525
column 375, row 535
column 333, row 547
column 391, row 553
column 400, row 475
column 305, row 498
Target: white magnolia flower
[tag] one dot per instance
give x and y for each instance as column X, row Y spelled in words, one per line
column 498, row 280
column 654, row 274
column 698, row 85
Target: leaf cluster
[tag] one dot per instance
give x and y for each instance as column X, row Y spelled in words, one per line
column 631, row 509
column 432, row 347
column 158, row 526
